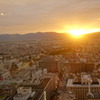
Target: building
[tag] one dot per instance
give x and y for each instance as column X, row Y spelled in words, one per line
column 43, row 84
column 1, row 64
column 41, row 91
column 7, row 89
column 4, row 74
column 80, row 67
column 83, row 86
column 54, row 77
column 96, row 96
column 67, row 96
column 50, row 64
column 23, row 93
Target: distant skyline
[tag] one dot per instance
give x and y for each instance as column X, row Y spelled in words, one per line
column 25, row 16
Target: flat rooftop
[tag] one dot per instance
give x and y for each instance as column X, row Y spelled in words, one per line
column 6, row 82
column 41, row 86
column 37, row 95
column 70, row 84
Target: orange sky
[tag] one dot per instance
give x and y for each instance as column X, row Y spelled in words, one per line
column 24, row 16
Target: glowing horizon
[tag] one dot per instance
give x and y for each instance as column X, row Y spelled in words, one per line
column 25, row 16
column 79, row 32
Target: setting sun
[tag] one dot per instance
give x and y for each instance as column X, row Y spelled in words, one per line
column 77, row 32
column 80, row 32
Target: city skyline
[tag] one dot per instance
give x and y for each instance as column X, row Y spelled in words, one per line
column 49, row 50
column 24, row 16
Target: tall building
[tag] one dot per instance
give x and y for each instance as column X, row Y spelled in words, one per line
column 50, row 64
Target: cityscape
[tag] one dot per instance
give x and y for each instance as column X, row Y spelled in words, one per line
column 49, row 49
column 50, row 70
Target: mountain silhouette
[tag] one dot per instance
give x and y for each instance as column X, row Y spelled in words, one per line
column 41, row 35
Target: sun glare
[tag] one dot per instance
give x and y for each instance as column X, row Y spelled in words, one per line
column 80, row 32
column 77, row 32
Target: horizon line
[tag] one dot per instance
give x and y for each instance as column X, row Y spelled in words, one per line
column 42, row 32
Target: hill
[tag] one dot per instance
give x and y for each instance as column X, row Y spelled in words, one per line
column 41, row 35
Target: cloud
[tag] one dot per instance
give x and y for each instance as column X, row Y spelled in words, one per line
column 48, row 12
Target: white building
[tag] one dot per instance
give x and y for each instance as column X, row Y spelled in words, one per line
column 23, row 93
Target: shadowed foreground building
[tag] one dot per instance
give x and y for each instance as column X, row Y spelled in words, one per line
column 37, row 89
column 35, row 92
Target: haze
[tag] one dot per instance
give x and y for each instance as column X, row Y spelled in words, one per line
column 22, row 16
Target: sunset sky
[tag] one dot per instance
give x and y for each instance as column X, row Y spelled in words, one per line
column 24, row 16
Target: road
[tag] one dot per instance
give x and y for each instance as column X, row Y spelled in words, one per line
column 64, row 96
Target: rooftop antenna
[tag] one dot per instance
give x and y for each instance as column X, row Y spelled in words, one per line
column 89, row 80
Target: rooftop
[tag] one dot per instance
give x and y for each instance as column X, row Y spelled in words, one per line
column 40, row 86
column 70, row 84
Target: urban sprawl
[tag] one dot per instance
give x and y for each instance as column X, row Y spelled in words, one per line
column 50, row 70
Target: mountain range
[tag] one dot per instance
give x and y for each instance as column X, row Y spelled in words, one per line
column 40, row 35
